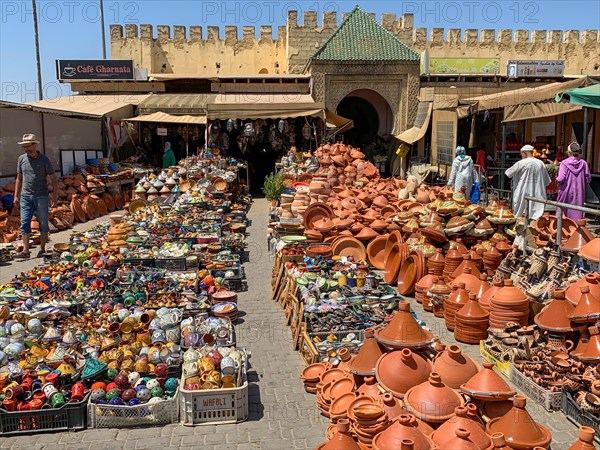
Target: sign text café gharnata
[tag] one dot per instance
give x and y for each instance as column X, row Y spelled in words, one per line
column 104, row 69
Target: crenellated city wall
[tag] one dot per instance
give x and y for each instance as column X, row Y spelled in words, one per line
column 206, row 52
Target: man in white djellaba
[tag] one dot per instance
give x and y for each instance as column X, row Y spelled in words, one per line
column 530, row 179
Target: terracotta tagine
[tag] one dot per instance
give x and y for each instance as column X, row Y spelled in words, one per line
column 454, row 367
column 432, row 401
column 369, row 387
column 587, row 309
column 443, row 435
column 591, row 250
column 393, row 407
column 365, row 361
column 403, row 428
column 398, row 371
column 592, row 280
column 586, row 439
column 499, row 441
column 341, row 439
column 520, row 431
column 404, row 331
column 554, row 317
column 487, row 385
column 580, row 237
column 461, row 441
column 591, row 354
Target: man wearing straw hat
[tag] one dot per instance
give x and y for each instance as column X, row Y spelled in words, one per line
column 31, row 192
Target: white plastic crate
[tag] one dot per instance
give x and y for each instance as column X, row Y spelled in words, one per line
column 146, row 415
column 548, row 399
column 215, row 406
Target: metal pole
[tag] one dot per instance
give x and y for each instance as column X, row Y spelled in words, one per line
column 559, row 216
column 503, row 164
column 103, row 31
column 37, row 50
column 585, row 134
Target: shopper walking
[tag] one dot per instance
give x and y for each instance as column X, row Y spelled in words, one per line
column 169, row 159
column 31, row 192
column 463, row 172
column 530, row 179
column 573, row 176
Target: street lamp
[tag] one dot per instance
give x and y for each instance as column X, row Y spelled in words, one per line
column 103, row 32
column 37, row 50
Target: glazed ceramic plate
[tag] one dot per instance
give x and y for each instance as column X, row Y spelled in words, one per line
column 349, row 246
column 376, row 252
column 289, row 239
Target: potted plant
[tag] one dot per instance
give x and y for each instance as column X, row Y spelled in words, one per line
column 273, row 187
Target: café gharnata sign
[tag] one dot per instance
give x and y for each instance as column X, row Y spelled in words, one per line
column 91, row 69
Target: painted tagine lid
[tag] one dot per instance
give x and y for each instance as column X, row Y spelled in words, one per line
column 432, row 401
column 404, row 331
column 487, row 385
column 400, row 370
column 555, row 315
column 454, row 367
column 365, row 361
column 404, row 428
column 520, row 431
column 446, row 433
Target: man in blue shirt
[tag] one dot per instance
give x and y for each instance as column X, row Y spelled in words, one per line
column 31, row 192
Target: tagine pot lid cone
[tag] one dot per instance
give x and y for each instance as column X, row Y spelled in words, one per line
column 443, row 435
column 591, row 354
column 365, row 361
column 591, row 250
column 398, row 371
column 432, row 401
column 555, row 315
column 404, row 331
column 403, row 428
column 454, row 367
column 586, row 439
column 341, row 439
column 520, row 431
column 579, row 238
column 462, row 440
column 574, row 289
column 588, row 308
column 487, row 385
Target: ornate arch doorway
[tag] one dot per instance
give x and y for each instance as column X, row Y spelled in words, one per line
column 371, row 113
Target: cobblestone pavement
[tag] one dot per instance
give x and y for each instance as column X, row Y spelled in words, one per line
column 282, row 415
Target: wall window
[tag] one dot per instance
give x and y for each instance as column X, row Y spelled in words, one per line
column 445, row 141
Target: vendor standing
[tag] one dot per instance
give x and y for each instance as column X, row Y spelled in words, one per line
column 169, row 159
column 463, row 172
column 31, row 192
column 573, row 176
column 530, row 179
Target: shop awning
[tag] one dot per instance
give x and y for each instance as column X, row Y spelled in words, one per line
column 91, row 106
column 335, row 121
column 585, row 96
column 421, row 124
column 518, row 96
column 161, row 117
column 190, row 104
column 264, row 106
column 548, row 108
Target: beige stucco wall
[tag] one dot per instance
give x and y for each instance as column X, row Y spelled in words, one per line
column 187, row 51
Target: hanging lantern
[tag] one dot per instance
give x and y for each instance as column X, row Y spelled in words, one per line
column 230, row 125
column 306, row 131
column 281, row 126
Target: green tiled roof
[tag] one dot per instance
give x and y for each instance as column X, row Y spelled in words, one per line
column 361, row 38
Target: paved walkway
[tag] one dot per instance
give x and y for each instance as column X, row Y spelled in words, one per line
column 282, row 414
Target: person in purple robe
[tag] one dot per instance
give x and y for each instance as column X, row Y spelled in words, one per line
column 573, row 176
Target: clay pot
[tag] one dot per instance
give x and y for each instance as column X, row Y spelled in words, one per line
column 573, row 290
column 586, row 439
column 365, row 361
column 520, row 431
column 404, row 428
column 554, row 317
column 398, row 371
column 369, row 387
column 587, row 309
column 404, row 331
column 341, row 439
column 393, row 407
column 591, row 250
column 455, row 368
column 432, row 401
column 461, row 441
column 444, row 433
column 487, row 385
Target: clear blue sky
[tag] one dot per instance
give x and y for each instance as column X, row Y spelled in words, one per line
column 70, row 29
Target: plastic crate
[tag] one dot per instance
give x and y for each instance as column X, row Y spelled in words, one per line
column 70, row 417
column 501, row 366
column 238, row 272
column 176, row 264
column 549, row 400
column 577, row 415
column 145, row 262
column 145, row 415
column 234, row 284
column 215, row 406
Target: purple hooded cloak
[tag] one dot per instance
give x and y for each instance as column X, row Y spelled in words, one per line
column 573, row 175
